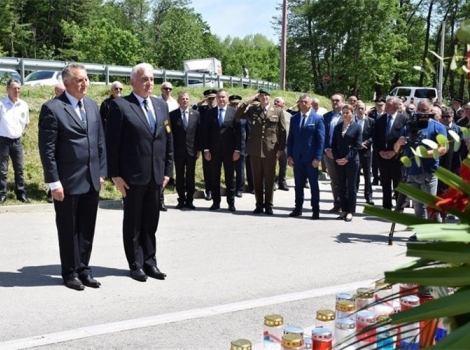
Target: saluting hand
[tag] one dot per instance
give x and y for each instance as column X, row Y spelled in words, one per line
column 121, row 185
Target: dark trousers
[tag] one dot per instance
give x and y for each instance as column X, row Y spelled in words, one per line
column 334, row 179
column 264, row 172
column 390, row 175
column 141, row 216
column 11, row 148
column 185, row 174
column 249, row 174
column 240, row 173
column 75, row 220
column 364, row 165
column 207, row 173
column 227, row 161
column 303, row 171
column 347, row 176
column 281, row 179
column 375, row 164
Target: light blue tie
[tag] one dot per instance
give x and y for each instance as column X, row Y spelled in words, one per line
column 150, row 117
column 221, row 117
column 82, row 112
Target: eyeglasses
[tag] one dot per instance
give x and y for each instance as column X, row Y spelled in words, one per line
column 167, row 88
column 446, row 117
column 118, row 89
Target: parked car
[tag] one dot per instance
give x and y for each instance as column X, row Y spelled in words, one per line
column 6, row 74
column 413, row 94
column 43, row 78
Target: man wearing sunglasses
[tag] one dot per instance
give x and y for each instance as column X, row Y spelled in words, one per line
column 116, row 91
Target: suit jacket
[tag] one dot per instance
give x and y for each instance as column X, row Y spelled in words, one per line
column 222, row 139
column 367, row 134
column 328, row 130
column 380, row 141
column 185, row 142
column 268, row 131
column 134, row 152
column 346, row 146
column 306, row 144
column 71, row 152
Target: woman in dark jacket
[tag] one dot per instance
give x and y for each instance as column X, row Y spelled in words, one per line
column 347, row 140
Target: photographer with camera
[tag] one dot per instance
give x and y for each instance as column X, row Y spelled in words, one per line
column 421, row 126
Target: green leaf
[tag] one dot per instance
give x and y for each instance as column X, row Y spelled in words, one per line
column 406, row 161
column 437, row 276
column 458, row 339
column 422, row 152
column 448, row 252
column 395, row 216
column 456, row 139
column 453, row 63
column 453, row 180
column 435, row 154
column 430, row 143
column 441, row 140
column 418, row 194
column 443, row 232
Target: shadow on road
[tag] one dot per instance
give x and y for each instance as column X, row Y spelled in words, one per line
column 48, row 275
column 368, row 238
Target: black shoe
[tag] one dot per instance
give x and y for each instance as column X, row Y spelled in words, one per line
column 90, row 281
column 74, row 283
column 163, row 207
column 315, row 215
column 283, row 186
column 370, row 202
column 180, row 205
column 306, row 185
column 268, row 211
column 239, row 194
column 190, row 206
column 138, row 275
column 258, row 210
column 215, row 207
column 3, row 199
column 296, row 212
column 208, row 196
column 252, row 191
column 341, row 217
column 154, row 272
column 23, row 199
column 413, row 238
column 231, row 207
column 375, row 182
column 335, row 209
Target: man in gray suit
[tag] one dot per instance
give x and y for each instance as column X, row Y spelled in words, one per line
column 73, row 156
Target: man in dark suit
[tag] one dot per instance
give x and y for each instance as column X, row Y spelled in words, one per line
column 375, row 114
column 222, row 143
column 116, row 91
column 304, row 151
column 72, row 149
column 185, row 126
column 365, row 154
column 140, row 163
column 266, row 143
column 386, row 132
column 240, row 163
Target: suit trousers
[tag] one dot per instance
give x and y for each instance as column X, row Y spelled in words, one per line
column 375, row 164
column 281, row 179
column 11, row 148
column 334, row 180
column 365, row 165
column 347, row 175
column 185, row 178
column 249, row 174
column 240, row 173
column 303, row 171
column 229, row 168
column 207, row 173
column 75, row 221
column 141, row 216
column 390, row 174
column 264, row 173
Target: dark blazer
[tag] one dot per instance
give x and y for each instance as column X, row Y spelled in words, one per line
column 367, row 134
column 346, row 146
column 104, row 109
column 185, row 142
column 222, row 139
column 71, row 153
column 380, row 141
column 327, row 120
column 306, row 144
column 134, row 153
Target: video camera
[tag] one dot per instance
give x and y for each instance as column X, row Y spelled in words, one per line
column 418, row 121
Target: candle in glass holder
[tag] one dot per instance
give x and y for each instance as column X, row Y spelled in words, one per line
column 240, row 344
column 325, row 319
column 273, row 330
column 345, row 328
column 290, row 329
column 366, row 319
column 364, row 299
column 345, row 308
column 322, row 339
column 292, row 342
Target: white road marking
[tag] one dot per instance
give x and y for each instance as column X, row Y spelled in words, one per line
column 107, row 328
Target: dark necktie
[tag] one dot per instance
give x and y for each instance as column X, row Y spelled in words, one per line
column 185, row 120
column 82, row 112
column 150, row 116
column 389, row 125
column 221, row 117
column 304, row 118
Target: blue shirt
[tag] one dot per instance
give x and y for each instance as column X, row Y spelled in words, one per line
column 428, row 165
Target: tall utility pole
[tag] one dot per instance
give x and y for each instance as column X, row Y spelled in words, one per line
column 283, row 45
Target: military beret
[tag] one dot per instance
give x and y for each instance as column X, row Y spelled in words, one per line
column 210, row 93
column 235, row 98
column 457, row 100
column 264, row 91
column 380, row 100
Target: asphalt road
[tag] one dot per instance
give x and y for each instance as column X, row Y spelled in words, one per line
column 225, row 272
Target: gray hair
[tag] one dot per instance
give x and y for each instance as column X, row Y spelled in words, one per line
column 67, row 71
column 305, row 96
column 396, row 101
column 141, row 67
column 279, row 98
column 182, row 93
column 115, row 83
column 11, row 81
column 315, row 100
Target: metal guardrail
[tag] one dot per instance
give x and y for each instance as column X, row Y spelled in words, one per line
column 27, row 64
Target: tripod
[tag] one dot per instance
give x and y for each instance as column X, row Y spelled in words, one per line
column 399, row 207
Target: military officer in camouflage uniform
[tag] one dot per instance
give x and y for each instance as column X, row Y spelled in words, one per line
column 265, row 144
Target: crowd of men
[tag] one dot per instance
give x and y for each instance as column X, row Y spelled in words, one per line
column 138, row 140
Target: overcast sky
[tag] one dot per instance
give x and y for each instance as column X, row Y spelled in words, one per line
column 239, row 18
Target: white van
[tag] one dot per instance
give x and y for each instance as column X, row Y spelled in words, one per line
column 414, row 94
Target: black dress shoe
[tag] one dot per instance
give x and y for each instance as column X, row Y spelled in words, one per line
column 154, row 272
column 90, row 281
column 231, row 207
column 315, row 215
column 335, row 209
column 74, row 283
column 23, row 199
column 215, row 207
column 258, row 210
column 296, row 212
column 190, row 206
column 138, row 275
column 163, row 207
column 370, row 202
column 3, row 199
column 283, row 186
column 180, row 205
column 208, row 196
column 306, row 185
column 268, row 211
column 341, row 217
column 239, row 194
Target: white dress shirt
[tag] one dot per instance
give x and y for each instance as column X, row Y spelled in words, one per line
column 14, row 116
